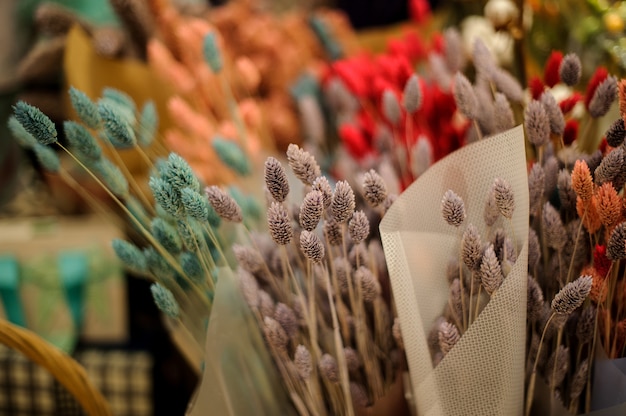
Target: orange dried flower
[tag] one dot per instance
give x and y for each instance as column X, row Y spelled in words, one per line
column 609, row 205
column 622, row 98
column 591, row 220
column 598, row 288
column 582, row 182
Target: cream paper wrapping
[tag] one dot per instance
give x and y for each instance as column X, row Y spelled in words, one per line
column 484, row 373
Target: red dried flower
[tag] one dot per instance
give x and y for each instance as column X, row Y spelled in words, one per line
column 598, row 76
column 568, row 103
column 570, row 133
column 551, row 73
column 536, row 87
column 354, row 141
column 600, row 260
column 419, row 10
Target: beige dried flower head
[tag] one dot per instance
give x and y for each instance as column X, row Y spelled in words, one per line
column 286, row 317
column 609, row 205
column 358, row 227
column 537, row 123
column 491, row 212
column 311, row 246
column 572, row 295
column 328, row 368
column 579, row 381
column 551, row 170
column 505, row 200
column 365, row 279
column 454, row 52
column 303, row 164
column 303, row 362
column 421, row 156
column 503, row 118
column 508, row 85
column 248, row 258
column 276, row 179
column 582, row 182
column 448, row 336
column 490, row 271
column 374, row 188
column 249, row 288
column 453, row 208
column 560, row 359
column 391, row 107
column 534, row 249
column 482, row 58
column 471, row 248
column 555, row 115
column 332, row 231
column 615, row 249
column 266, row 304
column 604, row 95
column 279, row 224
column 275, row 335
column 311, row 210
column 223, row 204
column 343, row 203
column 456, row 299
column 465, row 97
column 556, row 234
column 353, row 362
column 359, row 395
column 534, row 307
column 322, row 185
column 341, row 268
column 412, row 95
column 570, row 69
column 586, row 323
column 536, row 183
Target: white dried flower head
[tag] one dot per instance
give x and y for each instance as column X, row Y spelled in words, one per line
column 555, row 115
column 358, row 227
column 328, row 368
column 448, row 337
column 471, row 248
column 365, row 279
column 275, row 335
column 490, row 271
column 482, row 58
column 303, row 362
column 454, row 52
column 504, row 197
column 286, row 317
column 391, row 107
column 421, row 156
column 556, row 234
column 412, row 96
column 322, row 185
column 279, row 224
column 465, row 97
column 276, row 179
column 508, row 85
column 572, row 295
column 343, row 202
column 311, row 246
column 452, row 208
column 311, row 210
column 303, row 164
column 225, row 206
column 374, row 188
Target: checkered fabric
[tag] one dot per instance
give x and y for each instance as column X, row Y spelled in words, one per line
column 124, row 378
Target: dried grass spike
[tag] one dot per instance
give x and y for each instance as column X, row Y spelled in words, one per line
column 603, row 97
column 448, row 336
column 572, row 295
column 453, row 208
column 275, row 334
column 279, row 224
column 311, row 246
column 412, row 95
column 615, row 249
column 582, row 182
column 374, row 188
column 343, row 202
column 465, row 97
column 358, row 227
column 490, row 271
column 322, row 185
column 303, row 362
column 224, row 204
column 311, row 210
column 570, row 69
column 328, row 368
column 537, row 123
column 303, row 164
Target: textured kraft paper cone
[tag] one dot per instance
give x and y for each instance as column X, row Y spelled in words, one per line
column 484, row 373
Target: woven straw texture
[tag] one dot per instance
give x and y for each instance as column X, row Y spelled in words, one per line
column 484, row 373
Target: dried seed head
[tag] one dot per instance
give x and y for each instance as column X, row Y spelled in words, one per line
column 353, row 362
column 303, row 164
column 275, row 334
column 452, row 208
column 504, row 197
column 534, row 249
column 534, row 307
column 537, row 123
column 603, row 97
column 276, row 179
column 553, row 226
column 374, row 188
column 588, row 211
column 249, row 288
column 391, row 107
column 570, row 69
column 303, row 362
column 412, row 96
column 332, row 231
column 248, row 258
column 536, row 184
column 616, row 133
column 321, row 184
column 341, row 268
column 465, row 97
column 503, row 114
column 421, row 156
column 560, row 359
column 328, row 368
column 358, row 227
column 615, row 249
column 491, row 212
column 266, row 304
column 287, row 319
column 311, row 246
column 567, row 196
column 610, row 168
column 311, row 210
column 482, row 58
column 555, row 115
column 224, row 204
column 490, row 271
column 448, row 336
column 343, row 203
column 609, row 205
column 359, row 395
column 456, row 299
column 586, row 323
column 582, row 182
column 365, row 279
column 454, row 52
column 165, row 301
column 471, row 248
column 572, row 295
column 279, row 224
column 508, row 85
column 579, row 380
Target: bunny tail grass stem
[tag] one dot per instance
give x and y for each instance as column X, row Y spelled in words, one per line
column 533, row 376
column 341, row 358
column 345, row 328
column 166, row 255
column 351, row 295
column 592, row 353
column 477, row 128
column 144, row 156
column 205, row 267
column 312, row 313
column 586, row 144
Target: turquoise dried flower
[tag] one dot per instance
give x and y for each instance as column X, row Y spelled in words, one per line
column 117, row 127
column 148, row 124
column 165, row 301
column 192, row 267
column 23, row 138
column 231, row 154
column 330, row 45
column 81, row 140
column 130, row 255
column 86, row 109
column 189, row 233
column 157, row 265
column 112, row 176
column 197, row 206
column 166, row 196
column 35, row 122
column 166, row 235
column 211, row 53
column 179, row 174
column 121, row 98
column 47, row 158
